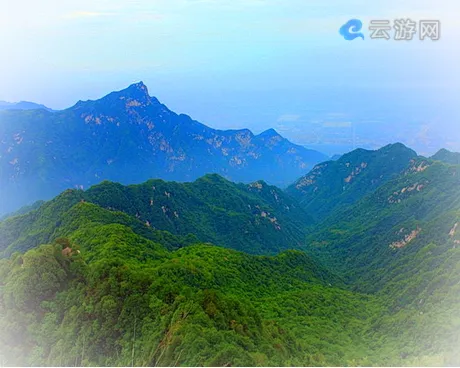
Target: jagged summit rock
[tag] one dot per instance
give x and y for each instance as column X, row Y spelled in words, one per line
column 134, row 96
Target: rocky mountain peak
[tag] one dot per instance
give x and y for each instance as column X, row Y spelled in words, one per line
column 137, row 94
column 269, row 133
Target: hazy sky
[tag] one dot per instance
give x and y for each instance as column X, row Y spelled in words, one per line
column 238, row 63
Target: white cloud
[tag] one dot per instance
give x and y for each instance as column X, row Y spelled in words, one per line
column 338, row 124
column 87, row 14
column 288, row 118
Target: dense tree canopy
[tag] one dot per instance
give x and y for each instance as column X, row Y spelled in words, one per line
column 105, row 277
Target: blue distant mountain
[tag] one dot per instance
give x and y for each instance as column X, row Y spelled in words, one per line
column 448, row 157
column 22, row 105
column 130, row 137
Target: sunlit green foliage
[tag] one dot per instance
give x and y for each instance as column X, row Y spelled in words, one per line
column 98, row 283
column 257, row 218
column 125, row 300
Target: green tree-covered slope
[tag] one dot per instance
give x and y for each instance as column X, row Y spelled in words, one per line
column 337, row 184
column 367, row 240
column 127, row 275
column 402, row 243
column 256, row 218
column 118, row 298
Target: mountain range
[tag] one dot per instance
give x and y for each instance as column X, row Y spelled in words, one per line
column 212, row 208
column 22, row 105
column 150, row 239
column 342, row 182
column 130, row 137
column 213, row 273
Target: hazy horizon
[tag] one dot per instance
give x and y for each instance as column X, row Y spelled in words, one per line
column 246, row 64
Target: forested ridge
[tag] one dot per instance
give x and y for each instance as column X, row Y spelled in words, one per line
column 256, row 218
column 212, row 273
